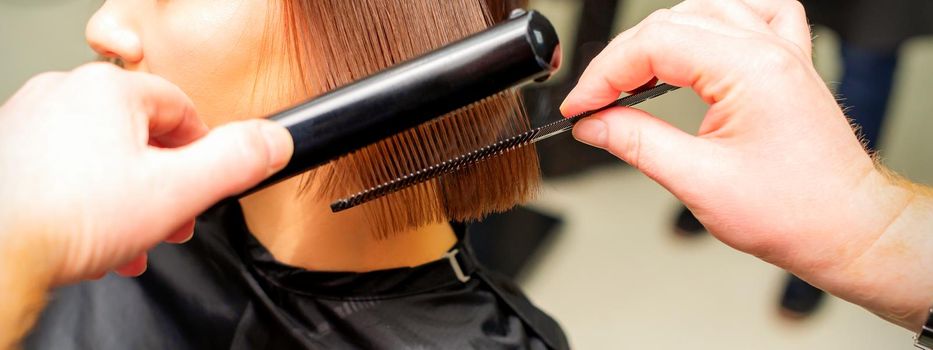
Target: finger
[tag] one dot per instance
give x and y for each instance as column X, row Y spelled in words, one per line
column 671, row 157
column 134, row 268
column 660, row 15
column 38, row 85
column 188, row 130
column 787, row 19
column 183, row 234
column 166, row 112
column 790, row 22
column 172, row 120
column 647, row 86
column 227, row 161
column 97, row 276
column 682, row 17
column 732, row 12
column 679, row 54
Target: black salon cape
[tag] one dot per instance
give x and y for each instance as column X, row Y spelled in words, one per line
column 223, row 290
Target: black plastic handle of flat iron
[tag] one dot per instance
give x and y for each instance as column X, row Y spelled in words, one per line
column 522, row 48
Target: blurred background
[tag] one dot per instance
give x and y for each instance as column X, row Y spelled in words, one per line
column 598, row 250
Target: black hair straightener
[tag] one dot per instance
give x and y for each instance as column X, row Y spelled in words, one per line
column 521, row 49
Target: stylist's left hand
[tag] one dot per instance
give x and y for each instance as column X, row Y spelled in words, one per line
column 98, row 165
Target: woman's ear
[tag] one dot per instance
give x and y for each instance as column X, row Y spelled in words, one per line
column 112, row 34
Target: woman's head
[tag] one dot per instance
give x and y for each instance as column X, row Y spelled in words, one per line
column 209, row 48
column 246, row 58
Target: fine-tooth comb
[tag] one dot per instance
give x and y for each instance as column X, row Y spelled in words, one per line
column 492, row 150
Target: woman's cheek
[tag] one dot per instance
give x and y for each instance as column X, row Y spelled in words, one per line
column 212, row 53
column 217, row 74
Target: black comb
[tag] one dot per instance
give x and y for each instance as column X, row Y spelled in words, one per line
column 492, row 150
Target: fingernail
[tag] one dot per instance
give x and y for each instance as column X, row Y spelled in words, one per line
column 563, row 104
column 187, row 238
column 591, row 132
column 141, row 272
column 279, row 143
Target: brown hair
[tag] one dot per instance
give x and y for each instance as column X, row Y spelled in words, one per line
column 329, row 43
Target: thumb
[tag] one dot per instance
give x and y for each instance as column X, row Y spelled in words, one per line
column 664, row 153
column 227, row 161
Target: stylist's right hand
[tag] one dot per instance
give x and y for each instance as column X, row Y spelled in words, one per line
column 99, row 165
column 775, row 169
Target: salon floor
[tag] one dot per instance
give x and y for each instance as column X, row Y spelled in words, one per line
column 615, row 276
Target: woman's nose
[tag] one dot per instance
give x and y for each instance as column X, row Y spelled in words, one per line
column 112, row 34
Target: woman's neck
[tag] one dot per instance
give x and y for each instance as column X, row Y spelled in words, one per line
column 302, row 232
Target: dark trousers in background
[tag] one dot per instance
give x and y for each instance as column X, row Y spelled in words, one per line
column 866, row 86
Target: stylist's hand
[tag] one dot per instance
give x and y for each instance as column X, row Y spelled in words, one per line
column 775, row 169
column 99, row 165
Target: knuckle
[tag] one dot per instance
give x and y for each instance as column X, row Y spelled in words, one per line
column 799, row 11
column 101, row 77
column 653, row 30
column 795, row 8
column 633, row 148
column 95, row 69
column 625, row 143
column 654, row 36
column 661, row 15
column 796, row 5
column 44, row 80
column 776, row 57
column 704, row 7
